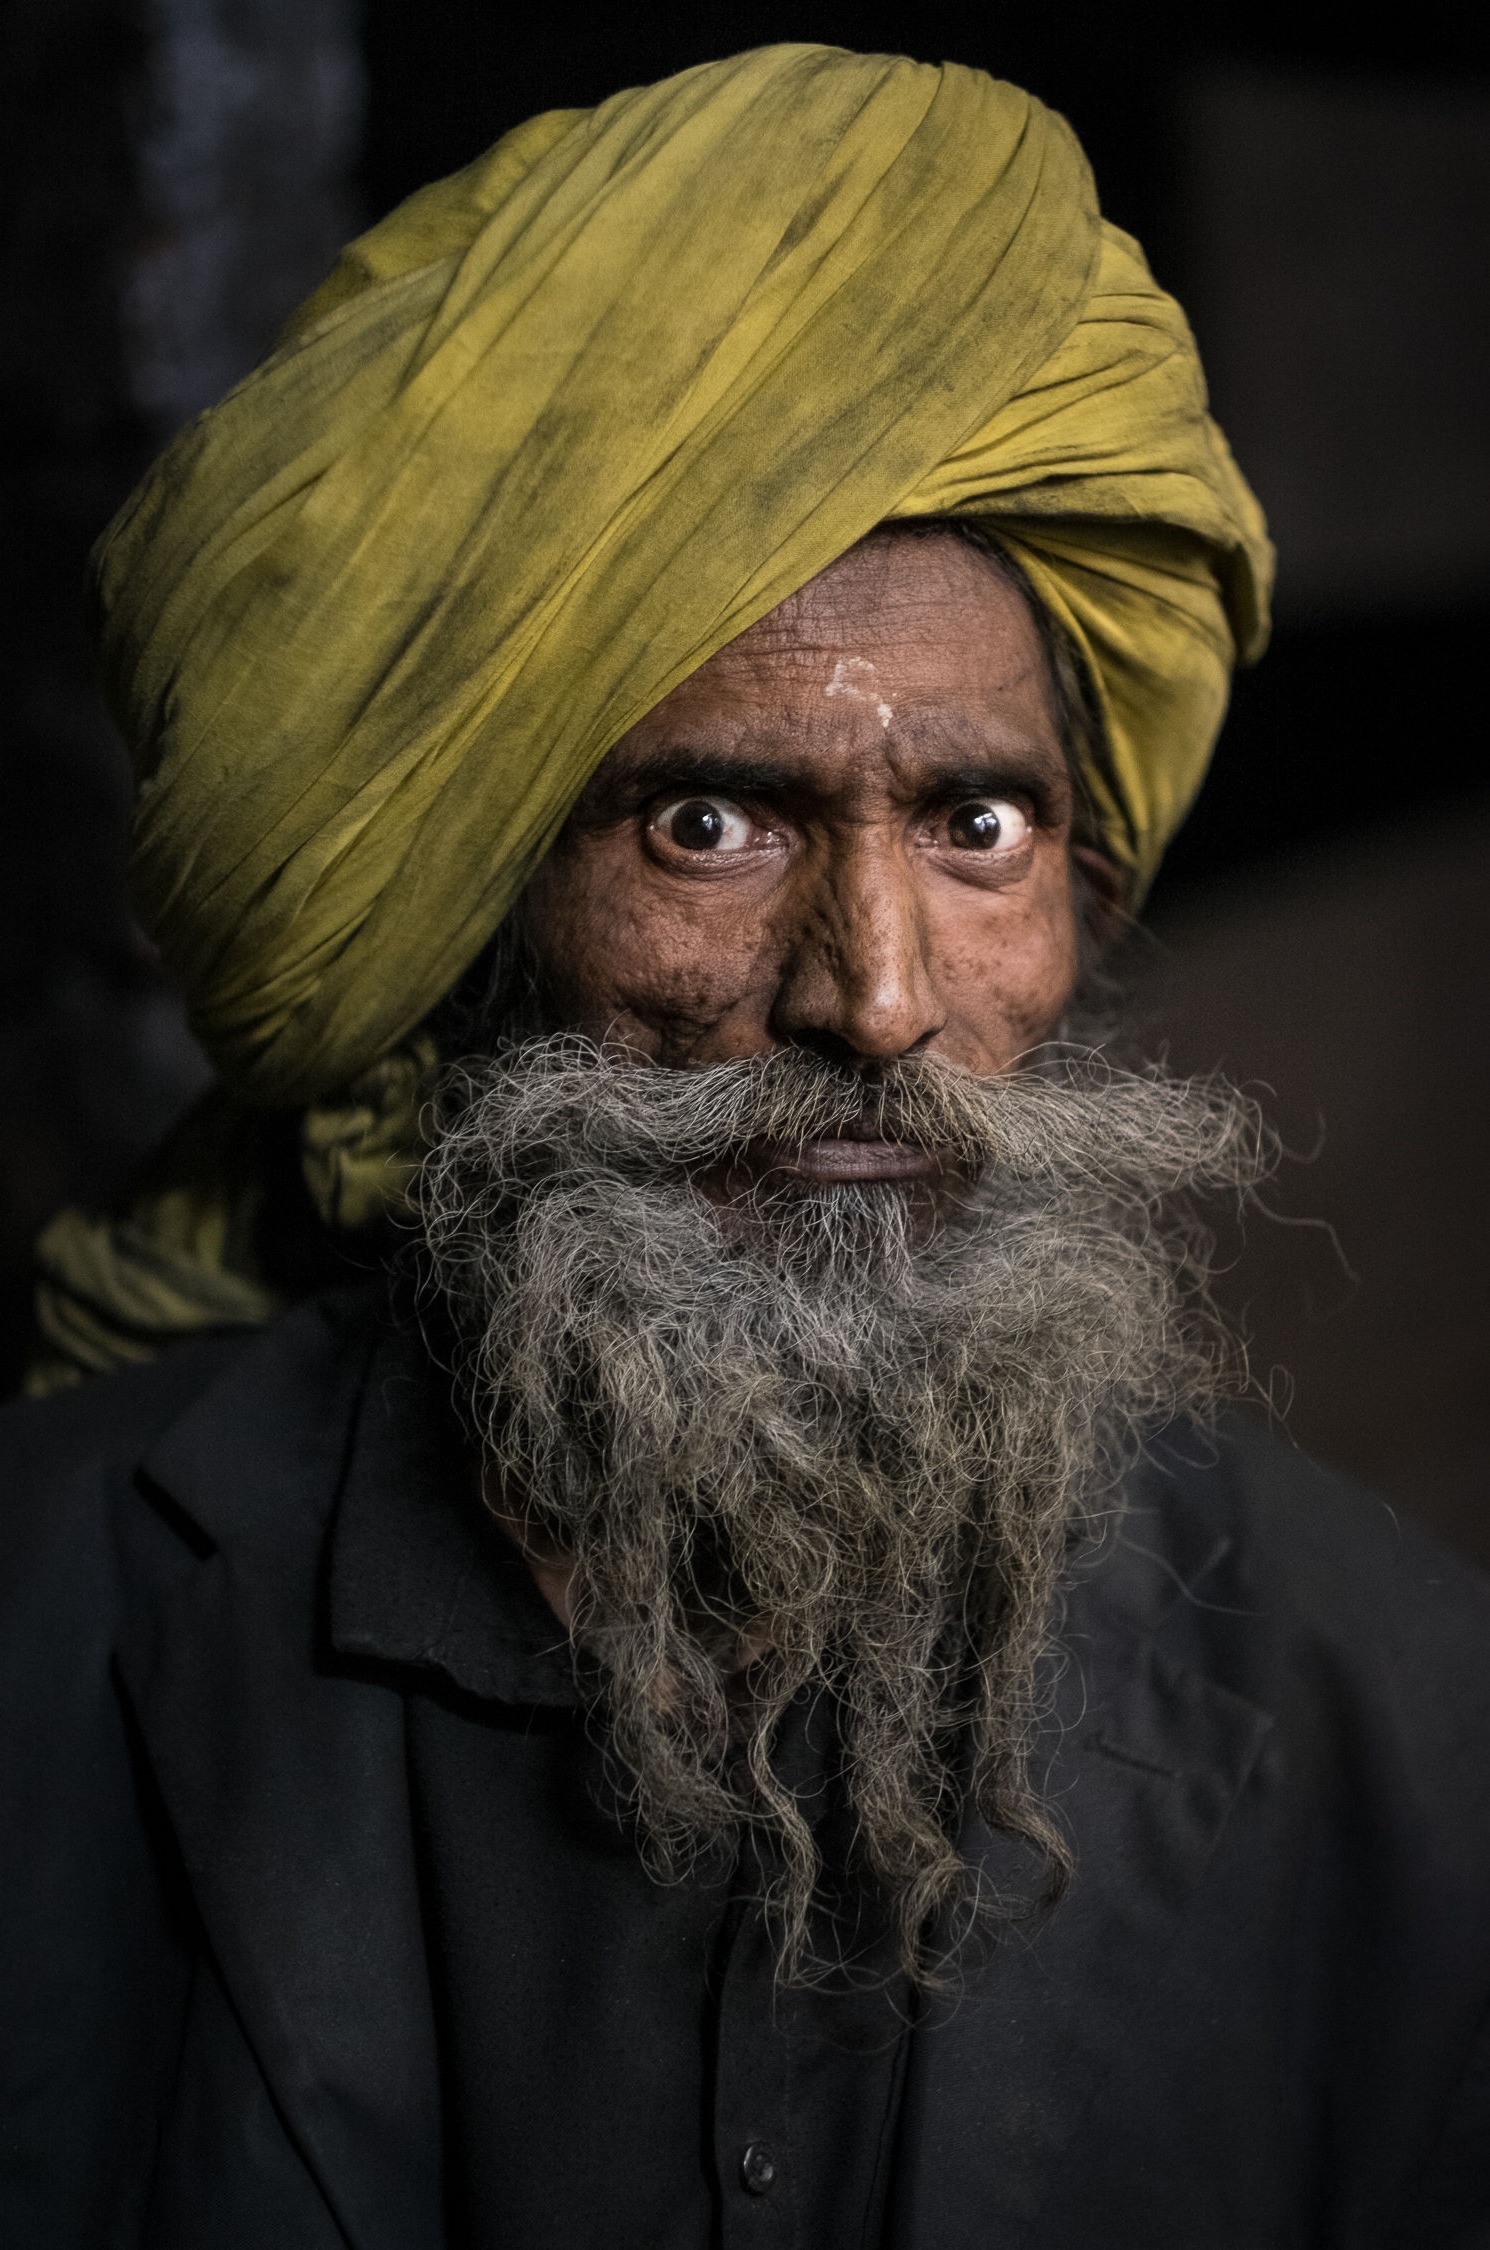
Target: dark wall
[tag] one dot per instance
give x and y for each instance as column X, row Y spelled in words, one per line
column 176, row 175
column 75, row 981
column 441, row 74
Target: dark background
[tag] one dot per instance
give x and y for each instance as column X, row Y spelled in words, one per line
column 177, row 173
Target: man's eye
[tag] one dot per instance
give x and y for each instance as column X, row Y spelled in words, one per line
column 703, row 824
column 986, row 824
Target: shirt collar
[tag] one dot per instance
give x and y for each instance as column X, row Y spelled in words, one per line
column 420, row 1574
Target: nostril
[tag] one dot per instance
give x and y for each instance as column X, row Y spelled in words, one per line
column 846, row 1054
column 832, row 1047
column 859, row 1055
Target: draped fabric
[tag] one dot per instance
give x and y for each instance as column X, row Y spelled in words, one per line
column 567, row 422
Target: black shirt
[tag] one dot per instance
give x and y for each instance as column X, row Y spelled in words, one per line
column 1258, row 2017
column 622, row 2066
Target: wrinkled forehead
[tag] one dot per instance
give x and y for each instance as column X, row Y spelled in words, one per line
column 904, row 626
column 904, row 588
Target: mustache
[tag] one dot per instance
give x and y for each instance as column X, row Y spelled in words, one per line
column 1072, row 1125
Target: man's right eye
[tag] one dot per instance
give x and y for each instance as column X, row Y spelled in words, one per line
column 703, row 824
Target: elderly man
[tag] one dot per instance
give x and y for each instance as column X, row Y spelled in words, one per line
column 631, row 1622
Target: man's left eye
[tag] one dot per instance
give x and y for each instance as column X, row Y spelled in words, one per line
column 703, row 824
column 986, row 824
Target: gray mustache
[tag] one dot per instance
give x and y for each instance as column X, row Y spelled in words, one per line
column 1073, row 1124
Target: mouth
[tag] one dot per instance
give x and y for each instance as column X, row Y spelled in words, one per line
column 845, row 1158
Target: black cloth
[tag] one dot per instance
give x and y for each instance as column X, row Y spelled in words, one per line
column 1258, row 2019
column 620, row 2067
column 568, row 1985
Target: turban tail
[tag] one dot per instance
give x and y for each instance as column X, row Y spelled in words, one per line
column 570, row 420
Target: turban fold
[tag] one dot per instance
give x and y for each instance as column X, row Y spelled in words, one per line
column 570, row 420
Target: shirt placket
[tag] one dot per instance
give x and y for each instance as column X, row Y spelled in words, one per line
column 755, row 2151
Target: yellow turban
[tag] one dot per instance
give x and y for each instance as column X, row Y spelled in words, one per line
column 567, row 422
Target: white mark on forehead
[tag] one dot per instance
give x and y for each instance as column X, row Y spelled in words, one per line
column 855, row 676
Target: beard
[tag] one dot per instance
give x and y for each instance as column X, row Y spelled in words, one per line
column 823, row 1441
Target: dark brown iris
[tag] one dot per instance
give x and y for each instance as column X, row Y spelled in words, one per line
column 975, row 827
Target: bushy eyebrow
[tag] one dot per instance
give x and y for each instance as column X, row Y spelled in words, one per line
column 946, row 765
column 710, row 772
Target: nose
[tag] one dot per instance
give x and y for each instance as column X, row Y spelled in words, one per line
column 856, row 981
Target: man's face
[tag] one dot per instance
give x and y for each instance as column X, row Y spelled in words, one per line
column 849, row 830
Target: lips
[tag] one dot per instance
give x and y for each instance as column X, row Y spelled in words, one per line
column 847, row 1158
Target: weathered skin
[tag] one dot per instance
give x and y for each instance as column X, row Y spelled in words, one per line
column 845, row 754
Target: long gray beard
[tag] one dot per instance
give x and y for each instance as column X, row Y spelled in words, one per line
column 860, row 1447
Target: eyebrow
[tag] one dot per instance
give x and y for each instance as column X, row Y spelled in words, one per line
column 948, row 767
column 710, row 770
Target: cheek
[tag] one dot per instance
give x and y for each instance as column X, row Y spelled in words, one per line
column 1007, row 966
column 619, row 948
column 570, row 932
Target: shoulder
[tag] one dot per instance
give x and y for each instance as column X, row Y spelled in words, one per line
column 116, row 1501
column 43, row 1441
column 1349, row 1624
column 70, row 1463
column 1331, row 1560
column 66, row 1464
column 110, row 1498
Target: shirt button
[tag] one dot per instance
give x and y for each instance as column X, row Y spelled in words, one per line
column 757, row 2169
